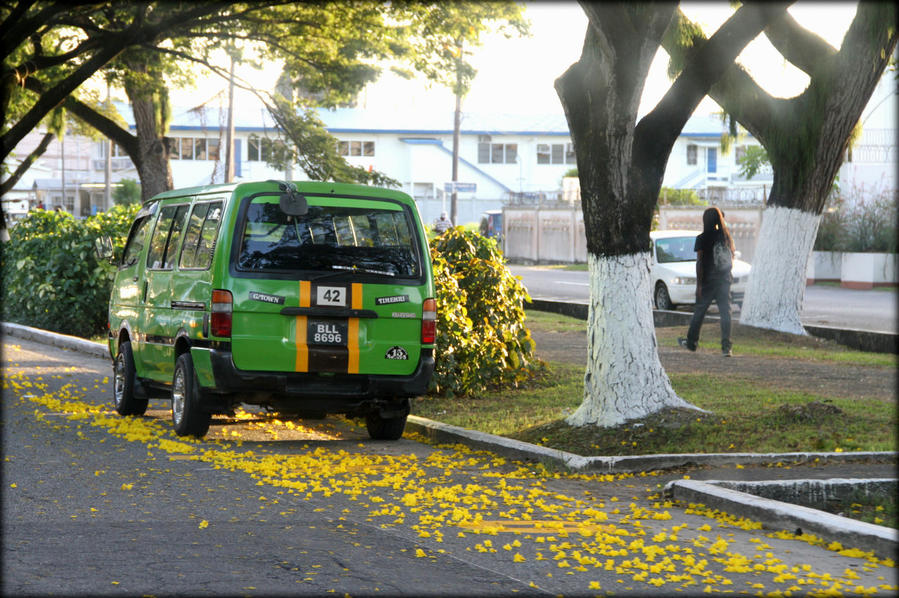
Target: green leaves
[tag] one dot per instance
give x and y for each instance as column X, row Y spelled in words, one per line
column 51, row 278
column 482, row 341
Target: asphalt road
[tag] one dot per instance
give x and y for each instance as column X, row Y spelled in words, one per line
column 97, row 504
column 825, row 305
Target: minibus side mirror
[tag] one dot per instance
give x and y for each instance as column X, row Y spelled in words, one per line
column 103, row 249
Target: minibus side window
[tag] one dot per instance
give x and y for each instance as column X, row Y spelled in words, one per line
column 165, row 237
column 199, row 241
column 135, row 242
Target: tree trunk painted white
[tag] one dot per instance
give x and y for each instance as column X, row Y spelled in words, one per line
column 776, row 287
column 624, row 378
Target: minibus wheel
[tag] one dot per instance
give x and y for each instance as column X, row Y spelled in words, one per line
column 124, row 382
column 384, row 428
column 188, row 417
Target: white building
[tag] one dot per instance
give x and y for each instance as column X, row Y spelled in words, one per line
column 504, row 158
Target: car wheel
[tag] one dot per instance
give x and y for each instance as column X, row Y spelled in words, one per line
column 385, row 428
column 662, row 299
column 124, row 381
column 188, row 417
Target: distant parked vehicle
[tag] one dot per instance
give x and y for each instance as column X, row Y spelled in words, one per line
column 674, row 270
column 492, row 225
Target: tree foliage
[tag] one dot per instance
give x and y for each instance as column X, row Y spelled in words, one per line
column 482, row 340
column 329, row 51
column 127, row 192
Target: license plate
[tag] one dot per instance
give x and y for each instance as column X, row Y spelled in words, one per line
column 326, row 332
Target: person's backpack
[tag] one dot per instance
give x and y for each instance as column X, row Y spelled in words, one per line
column 722, row 258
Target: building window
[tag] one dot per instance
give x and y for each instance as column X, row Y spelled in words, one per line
column 212, row 146
column 356, row 148
column 497, row 153
column 555, row 153
column 691, row 155
column 193, row 148
column 259, row 149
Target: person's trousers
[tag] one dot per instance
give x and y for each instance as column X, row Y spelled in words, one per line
column 719, row 292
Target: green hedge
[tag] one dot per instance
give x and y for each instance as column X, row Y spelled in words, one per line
column 482, row 341
column 52, row 278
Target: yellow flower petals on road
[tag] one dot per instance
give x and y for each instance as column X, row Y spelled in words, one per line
column 466, row 497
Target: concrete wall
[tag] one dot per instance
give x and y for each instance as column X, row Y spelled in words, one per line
column 555, row 232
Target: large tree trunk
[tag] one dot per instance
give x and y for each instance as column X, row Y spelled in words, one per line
column 776, row 287
column 153, row 166
column 149, row 102
column 624, row 378
column 620, row 165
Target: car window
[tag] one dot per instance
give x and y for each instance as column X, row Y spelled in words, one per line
column 165, row 237
column 675, row 249
column 372, row 236
column 135, row 243
column 199, row 240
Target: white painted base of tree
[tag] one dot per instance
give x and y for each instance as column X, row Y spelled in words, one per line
column 776, row 288
column 624, row 378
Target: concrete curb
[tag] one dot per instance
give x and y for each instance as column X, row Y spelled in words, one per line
column 64, row 341
column 515, row 449
column 774, row 514
column 862, row 340
column 448, row 434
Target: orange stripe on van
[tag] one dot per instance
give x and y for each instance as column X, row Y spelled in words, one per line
column 305, row 293
column 302, row 364
column 357, row 295
column 352, row 344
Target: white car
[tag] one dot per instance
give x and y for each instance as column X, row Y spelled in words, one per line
column 674, row 270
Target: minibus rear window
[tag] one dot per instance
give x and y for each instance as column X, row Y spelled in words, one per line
column 373, row 237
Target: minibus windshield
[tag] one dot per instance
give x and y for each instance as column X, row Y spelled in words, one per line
column 373, row 237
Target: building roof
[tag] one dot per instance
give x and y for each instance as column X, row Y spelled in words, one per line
column 423, row 122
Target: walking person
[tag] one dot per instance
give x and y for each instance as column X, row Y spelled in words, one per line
column 442, row 224
column 714, row 259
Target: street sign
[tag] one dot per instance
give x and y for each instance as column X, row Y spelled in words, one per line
column 460, row 187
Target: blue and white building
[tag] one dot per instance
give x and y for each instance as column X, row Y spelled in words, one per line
column 504, row 158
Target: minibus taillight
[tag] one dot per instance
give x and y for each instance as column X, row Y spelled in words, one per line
column 220, row 322
column 428, row 321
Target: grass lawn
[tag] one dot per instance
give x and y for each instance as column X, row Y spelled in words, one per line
column 745, row 414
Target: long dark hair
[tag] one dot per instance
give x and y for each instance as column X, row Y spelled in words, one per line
column 712, row 221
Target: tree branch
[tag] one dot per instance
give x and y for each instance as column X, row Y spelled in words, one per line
column 800, row 46
column 53, row 97
column 9, row 183
column 663, row 124
column 733, row 89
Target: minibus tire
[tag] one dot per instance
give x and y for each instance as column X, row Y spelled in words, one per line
column 188, row 417
column 385, row 428
column 124, row 382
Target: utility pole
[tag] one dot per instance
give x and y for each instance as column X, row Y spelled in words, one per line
column 457, row 125
column 229, row 134
column 107, row 170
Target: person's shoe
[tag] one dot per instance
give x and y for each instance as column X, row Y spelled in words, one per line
column 685, row 344
column 727, row 352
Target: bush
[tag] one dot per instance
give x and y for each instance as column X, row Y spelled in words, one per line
column 680, row 197
column 52, row 278
column 482, row 341
column 859, row 223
